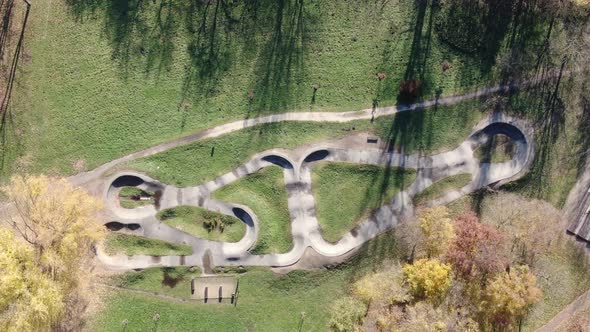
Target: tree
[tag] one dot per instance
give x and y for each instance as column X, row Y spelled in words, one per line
column 29, row 299
column 437, row 229
column 382, row 287
column 346, row 314
column 477, row 249
column 510, row 295
column 428, row 278
column 59, row 225
column 424, row 317
column 530, row 225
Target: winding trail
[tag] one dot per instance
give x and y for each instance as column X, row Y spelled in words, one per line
column 297, row 165
column 305, row 229
column 340, row 117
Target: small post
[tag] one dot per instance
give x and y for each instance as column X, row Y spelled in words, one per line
column 301, row 319
column 237, row 293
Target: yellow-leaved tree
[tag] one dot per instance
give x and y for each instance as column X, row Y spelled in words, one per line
column 438, row 230
column 509, row 295
column 382, row 287
column 428, row 278
column 54, row 227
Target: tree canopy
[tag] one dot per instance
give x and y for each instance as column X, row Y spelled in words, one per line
column 45, row 256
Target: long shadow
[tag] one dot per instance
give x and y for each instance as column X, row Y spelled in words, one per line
column 544, row 104
column 281, row 59
column 407, row 128
column 584, row 136
column 6, row 120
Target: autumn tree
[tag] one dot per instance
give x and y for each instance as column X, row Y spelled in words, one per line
column 29, row 299
column 56, row 227
column 428, row 278
column 346, row 314
column 383, row 287
column 477, row 249
column 438, row 230
column 531, row 226
column 509, row 295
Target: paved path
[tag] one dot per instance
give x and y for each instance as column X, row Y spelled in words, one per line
column 566, row 314
column 366, row 114
column 305, row 229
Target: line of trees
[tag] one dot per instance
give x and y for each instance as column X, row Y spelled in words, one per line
column 461, row 274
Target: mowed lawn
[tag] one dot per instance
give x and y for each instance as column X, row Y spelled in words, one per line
column 265, row 193
column 267, row 301
column 118, row 243
column 203, row 223
column 110, row 78
column 428, row 131
column 345, row 193
column 450, row 183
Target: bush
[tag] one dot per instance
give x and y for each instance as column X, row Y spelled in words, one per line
column 346, row 314
column 410, row 89
column 428, row 278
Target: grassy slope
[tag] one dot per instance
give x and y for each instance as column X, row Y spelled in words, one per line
column 190, row 219
column 499, row 150
column 111, row 78
column 427, row 131
column 345, row 193
column 267, row 302
column 152, row 280
column 561, row 138
column 438, row 188
column 264, row 192
column 564, row 277
column 138, row 245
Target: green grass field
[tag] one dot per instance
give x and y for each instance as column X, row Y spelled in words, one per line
column 345, row 193
column 168, row 281
column 499, row 150
column 428, row 131
column 440, row 187
column 267, row 301
column 264, row 192
column 113, row 78
column 193, row 220
column 129, row 245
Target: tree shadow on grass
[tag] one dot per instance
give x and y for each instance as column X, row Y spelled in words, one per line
column 544, row 104
column 11, row 55
column 280, row 63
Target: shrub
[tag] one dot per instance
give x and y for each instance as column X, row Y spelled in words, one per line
column 346, row 314
column 428, row 278
column 410, row 89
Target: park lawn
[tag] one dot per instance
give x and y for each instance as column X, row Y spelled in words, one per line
column 132, row 204
column 264, row 192
column 134, row 191
column 162, row 280
column 498, row 150
column 345, row 193
column 113, row 78
column 193, row 220
column 116, row 243
column 267, row 301
column 427, row 131
column 442, row 186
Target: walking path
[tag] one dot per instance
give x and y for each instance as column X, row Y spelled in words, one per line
column 366, row 114
column 566, row 314
column 305, row 229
